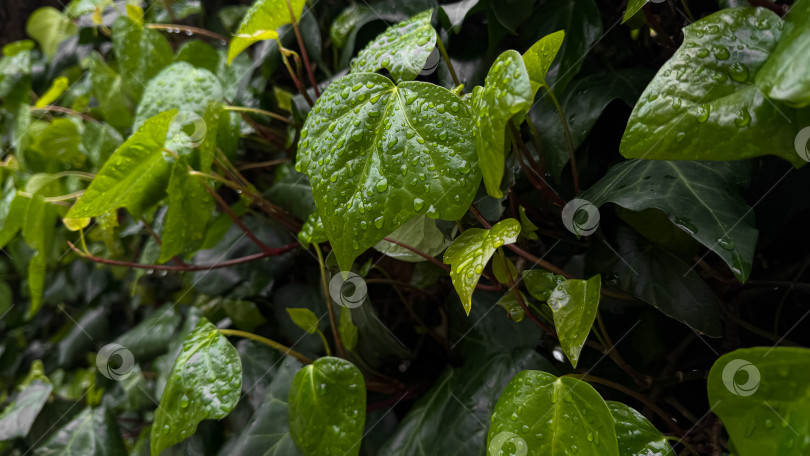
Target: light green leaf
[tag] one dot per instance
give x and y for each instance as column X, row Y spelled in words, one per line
column 57, row 88
column 785, row 76
column 636, row 435
column 680, row 117
column 18, row 416
column 574, row 304
column 261, row 22
column 108, row 89
column 500, row 266
column 540, row 56
column 78, row 8
column 506, row 94
column 763, row 397
column 402, row 50
column 374, row 153
column 141, row 53
column 528, row 228
column 205, row 383
column 347, row 329
column 471, row 251
column 701, row 198
column 134, row 177
column 13, row 207
column 327, row 408
column 190, row 208
column 419, row 232
column 633, row 7
column 40, row 220
column 563, row 415
column 312, row 232
column 49, row 27
column 541, row 284
column 304, row 319
column 93, row 432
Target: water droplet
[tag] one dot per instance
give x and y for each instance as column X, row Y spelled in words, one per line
column 418, row 204
column 378, row 222
column 725, row 243
column 743, row 119
column 721, row 52
column 382, row 185
column 738, row 72
column 702, row 113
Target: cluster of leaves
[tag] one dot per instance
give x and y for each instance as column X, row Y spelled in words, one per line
column 163, row 191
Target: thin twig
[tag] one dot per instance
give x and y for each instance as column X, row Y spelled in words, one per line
column 303, row 48
column 285, row 350
column 236, row 218
column 52, row 108
column 186, row 28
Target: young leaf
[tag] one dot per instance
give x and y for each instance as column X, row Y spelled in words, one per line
column 636, row 435
column 312, row 232
column 785, row 75
column 141, row 53
column 528, row 228
column 403, row 49
column 763, row 398
column 574, row 304
column 190, row 208
column 93, row 432
column 471, row 251
column 134, row 177
column 261, row 22
column 18, row 416
column 540, row 56
column 563, row 415
column 701, row 198
column 506, row 94
column 205, row 383
column 53, row 93
column 541, row 284
column 327, row 408
column 304, row 319
column 680, row 118
column 49, row 27
column 373, row 152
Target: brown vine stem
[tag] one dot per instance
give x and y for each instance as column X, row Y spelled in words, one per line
column 157, row 239
column 186, row 28
column 285, row 350
column 52, row 108
column 332, row 320
column 668, row 419
column 303, row 48
column 542, row 185
column 236, row 218
column 192, row 267
column 526, row 310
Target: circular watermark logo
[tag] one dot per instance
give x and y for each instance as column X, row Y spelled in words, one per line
column 188, row 129
column 507, row 444
column 432, row 63
column 580, row 217
column 115, row 361
column 802, row 142
column 730, row 372
column 349, row 292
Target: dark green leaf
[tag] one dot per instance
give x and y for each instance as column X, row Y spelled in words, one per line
column 512, row 13
column 541, row 283
column 141, row 53
column 40, row 220
column 108, row 89
column 636, row 435
column 93, row 432
column 786, row 76
column 151, row 337
column 419, row 232
column 190, row 208
column 346, row 21
column 17, row 418
column 633, row 7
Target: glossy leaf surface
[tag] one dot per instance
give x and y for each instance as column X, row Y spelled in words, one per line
column 540, row 56
column 93, row 432
column 785, row 75
column 574, row 304
column 262, row 21
column 636, row 435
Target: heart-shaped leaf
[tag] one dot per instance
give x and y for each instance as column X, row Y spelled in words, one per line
column 636, row 435
column 327, row 408
column 378, row 154
column 402, row 50
column 706, row 91
column 540, row 56
column 204, row 383
column 507, row 93
column 471, row 251
column 785, row 75
column 574, row 304
column 543, row 415
column 763, row 397
column 701, row 198
column 261, row 22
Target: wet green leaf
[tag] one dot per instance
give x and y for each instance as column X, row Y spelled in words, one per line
column 134, row 177
column 204, row 383
column 419, row 232
column 152, row 336
column 471, row 251
column 261, row 22
column 312, row 232
column 49, row 27
column 633, row 7
column 761, row 394
column 373, row 152
column 402, row 50
column 108, row 89
column 327, row 408
column 18, row 416
column 541, row 284
column 574, row 304
column 563, row 415
column 706, row 91
column 190, row 208
column 13, row 207
column 93, row 432
column 540, row 56
column 141, row 53
column 636, row 435
column 304, row 319
column 701, row 198
column 506, row 94
column 786, row 76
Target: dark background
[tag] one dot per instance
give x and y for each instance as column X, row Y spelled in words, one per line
column 14, row 13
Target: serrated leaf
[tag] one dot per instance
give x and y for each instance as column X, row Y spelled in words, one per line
column 327, row 408
column 204, row 383
column 18, row 416
column 561, row 413
column 304, row 319
column 190, row 208
column 785, row 76
column 541, row 284
column 761, row 395
column 706, row 91
column 93, row 432
column 374, row 154
column 636, row 435
column 141, row 53
column 403, row 49
column 261, row 22
column 471, row 251
column 49, row 27
column 701, row 198
column 540, row 56
column 506, row 94
column 419, row 232
column 134, row 177
column 574, row 304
